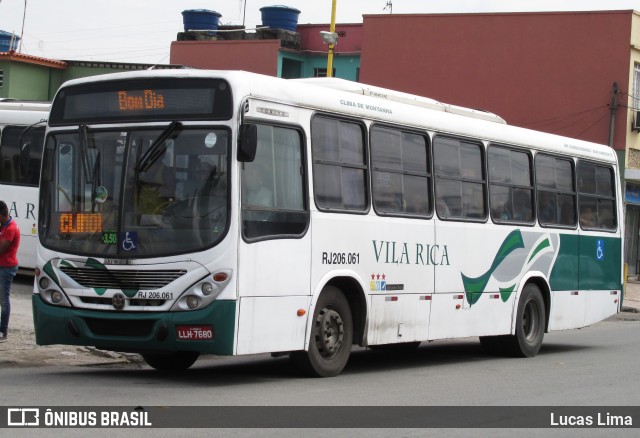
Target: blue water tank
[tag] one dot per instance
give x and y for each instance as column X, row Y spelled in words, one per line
column 280, row 17
column 5, row 41
column 200, row 19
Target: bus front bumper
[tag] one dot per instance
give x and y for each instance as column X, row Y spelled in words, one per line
column 138, row 332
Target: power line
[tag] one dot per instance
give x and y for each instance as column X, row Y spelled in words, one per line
column 592, row 125
column 576, row 122
column 563, row 117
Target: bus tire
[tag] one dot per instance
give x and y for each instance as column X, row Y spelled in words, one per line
column 330, row 338
column 170, row 362
column 530, row 324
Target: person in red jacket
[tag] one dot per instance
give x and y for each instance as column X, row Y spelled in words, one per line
column 9, row 242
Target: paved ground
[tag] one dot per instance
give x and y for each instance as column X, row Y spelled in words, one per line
column 21, row 349
column 631, row 302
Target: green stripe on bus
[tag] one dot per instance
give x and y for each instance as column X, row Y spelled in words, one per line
column 505, row 293
column 475, row 286
column 579, row 266
column 544, row 244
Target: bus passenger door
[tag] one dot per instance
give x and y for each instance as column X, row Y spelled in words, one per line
column 274, row 247
column 600, row 249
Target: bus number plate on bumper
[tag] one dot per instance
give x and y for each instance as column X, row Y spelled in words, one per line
column 194, row 332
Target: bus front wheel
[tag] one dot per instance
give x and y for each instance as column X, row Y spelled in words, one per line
column 170, row 362
column 331, row 336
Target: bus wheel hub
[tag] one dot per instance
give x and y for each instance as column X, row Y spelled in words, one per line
column 329, row 332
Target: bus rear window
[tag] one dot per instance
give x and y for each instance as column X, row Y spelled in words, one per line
column 139, row 100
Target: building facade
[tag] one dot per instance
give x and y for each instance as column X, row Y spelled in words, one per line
column 27, row 77
column 273, row 52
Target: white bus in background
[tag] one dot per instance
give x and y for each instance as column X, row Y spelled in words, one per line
column 22, row 126
column 188, row 212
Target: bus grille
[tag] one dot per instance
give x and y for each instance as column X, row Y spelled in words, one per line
column 137, row 302
column 128, row 279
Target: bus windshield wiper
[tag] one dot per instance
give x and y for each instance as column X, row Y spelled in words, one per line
column 156, row 149
column 29, row 128
column 25, row 148
column 95, row 182
column 84, row 152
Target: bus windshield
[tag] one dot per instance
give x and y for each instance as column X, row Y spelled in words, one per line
column 135, row 193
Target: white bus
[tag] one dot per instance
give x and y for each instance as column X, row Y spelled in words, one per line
column 22, row 127
column 229, row 213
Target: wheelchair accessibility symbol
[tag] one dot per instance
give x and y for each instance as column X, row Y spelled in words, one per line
column 600, row 250
column 129, row 240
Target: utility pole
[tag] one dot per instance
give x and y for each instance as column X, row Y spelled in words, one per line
column 24, row 15
column 244, row 13
column 613, row 107
column 332, row 30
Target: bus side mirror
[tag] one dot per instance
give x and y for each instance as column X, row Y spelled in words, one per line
column 247, row 143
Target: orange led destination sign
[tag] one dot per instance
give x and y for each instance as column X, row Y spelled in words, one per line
column 149, row 99
column 133, row 101
column 80, row 223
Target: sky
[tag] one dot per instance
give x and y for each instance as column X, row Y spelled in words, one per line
column 141, row 31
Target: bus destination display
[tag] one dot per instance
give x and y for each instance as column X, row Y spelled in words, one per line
column 107, row 102
column 146, row 100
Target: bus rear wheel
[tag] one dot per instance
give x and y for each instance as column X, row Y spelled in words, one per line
column 530, row 326
column 171, row 362
column 330, row 339
column 530, row 323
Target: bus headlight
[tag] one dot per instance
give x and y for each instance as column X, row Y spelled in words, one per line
column 204, row 292
column 192, row 301
column 56, row 297
column 50, row 292
column 207, row 288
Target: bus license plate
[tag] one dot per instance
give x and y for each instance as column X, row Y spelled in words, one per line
column 194, row 332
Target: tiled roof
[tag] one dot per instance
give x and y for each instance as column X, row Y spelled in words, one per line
column 30, row 59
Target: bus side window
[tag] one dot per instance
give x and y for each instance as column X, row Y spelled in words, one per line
column 596, row 196
column 32, row 142
column 555, row 191
column 273, row 186
column 460, row 178
column 510, row 185
column 10, row 155
column 400, row 172
column 339, row 164
column 6, row 162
